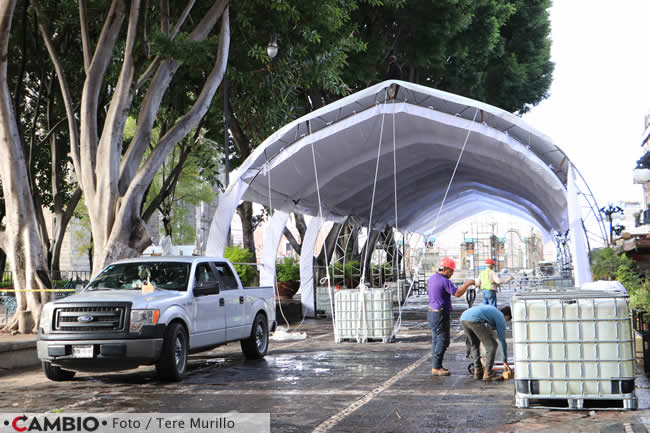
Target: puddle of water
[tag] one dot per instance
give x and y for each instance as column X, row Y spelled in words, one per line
column 287, row 379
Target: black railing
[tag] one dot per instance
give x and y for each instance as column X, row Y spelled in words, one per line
column 60, row 279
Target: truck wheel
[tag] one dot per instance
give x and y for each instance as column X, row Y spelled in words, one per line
column 255, row 346
column 173, row 360
column 55, row 373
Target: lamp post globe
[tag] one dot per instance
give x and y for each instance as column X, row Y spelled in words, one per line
column 272, row 49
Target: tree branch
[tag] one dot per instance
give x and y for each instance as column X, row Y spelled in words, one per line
column 85, row 41
column 164, row 16
column 297, row 247
column 167, row 186
column 92, row 88
column 73, row 129
column 109, row 151
column 147, row 74
column 242, row 143
column 300, row 224
column 157, row 88
column 192, row 117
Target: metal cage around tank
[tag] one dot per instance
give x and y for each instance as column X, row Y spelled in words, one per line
column 573, row 349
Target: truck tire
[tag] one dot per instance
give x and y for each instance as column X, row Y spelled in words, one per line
column 55, row 373
column 173, row 360
column 255, row 346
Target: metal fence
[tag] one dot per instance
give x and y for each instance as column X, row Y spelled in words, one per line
column 68, row 281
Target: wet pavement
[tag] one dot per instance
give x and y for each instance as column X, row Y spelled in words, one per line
column 318, row 385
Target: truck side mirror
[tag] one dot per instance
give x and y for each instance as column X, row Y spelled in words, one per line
column 205, row 288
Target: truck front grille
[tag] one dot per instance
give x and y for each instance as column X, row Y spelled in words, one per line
column 89, row 319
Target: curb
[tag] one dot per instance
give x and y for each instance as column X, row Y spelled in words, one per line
column 16, row 354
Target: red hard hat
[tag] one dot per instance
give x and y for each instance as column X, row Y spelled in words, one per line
column 489, row 262
column 447, row 262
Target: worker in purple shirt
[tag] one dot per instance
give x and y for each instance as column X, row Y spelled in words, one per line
column 440, row 290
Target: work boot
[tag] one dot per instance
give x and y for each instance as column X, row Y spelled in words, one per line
column 478, row 373
column 440, row 371
column 491, row 376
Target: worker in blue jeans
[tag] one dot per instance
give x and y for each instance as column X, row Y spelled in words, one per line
column 477, row 323
column 488, row 281
column 440, row 289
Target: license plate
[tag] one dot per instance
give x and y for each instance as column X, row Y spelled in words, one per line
column 85, row 351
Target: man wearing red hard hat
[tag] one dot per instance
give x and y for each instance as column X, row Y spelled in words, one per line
column 440, row 290
column 489, row 281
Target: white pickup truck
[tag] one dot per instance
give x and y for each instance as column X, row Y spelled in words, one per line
column 154, row 310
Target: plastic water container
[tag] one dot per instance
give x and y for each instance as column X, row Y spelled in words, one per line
column 364, row 315
column 575, row 345
column 398, row 290
column 323, row 305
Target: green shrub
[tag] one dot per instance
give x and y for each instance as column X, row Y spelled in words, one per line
column 247, row 273
column 287, row 270
column 607, row 265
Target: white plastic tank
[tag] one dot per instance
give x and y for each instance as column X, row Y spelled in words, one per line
column 398, row 289
column 323, row 305
column 363, row 315
column 574, row 345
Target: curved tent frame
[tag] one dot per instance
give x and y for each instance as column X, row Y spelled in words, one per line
column 325, row 162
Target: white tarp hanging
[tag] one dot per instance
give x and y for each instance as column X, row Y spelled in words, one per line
column 579, row 251
column 272, row 238
column 306, row 290
column 218, row 235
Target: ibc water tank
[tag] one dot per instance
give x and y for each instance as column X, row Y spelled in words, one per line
column 363, row 315
column 574, row 346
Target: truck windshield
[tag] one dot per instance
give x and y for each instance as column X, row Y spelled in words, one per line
column 131, row 276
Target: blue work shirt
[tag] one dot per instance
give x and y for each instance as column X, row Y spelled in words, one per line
column 493, row 317
column 440, row 291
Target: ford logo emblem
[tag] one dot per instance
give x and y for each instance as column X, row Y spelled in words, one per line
column 85, row 319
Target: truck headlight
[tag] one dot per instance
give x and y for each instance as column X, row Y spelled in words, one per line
column 140, row 318
column 46, row 318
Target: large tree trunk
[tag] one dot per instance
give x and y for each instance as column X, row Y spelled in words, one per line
column 245, row 212
column 114, row 180
column 19, row 237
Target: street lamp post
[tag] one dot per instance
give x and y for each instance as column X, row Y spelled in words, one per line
column 608, row 212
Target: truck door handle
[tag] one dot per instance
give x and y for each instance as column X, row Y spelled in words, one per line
column 221, row 302
column 241, row 299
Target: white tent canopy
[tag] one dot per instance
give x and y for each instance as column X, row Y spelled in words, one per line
column 506, row 164
column 395, row 157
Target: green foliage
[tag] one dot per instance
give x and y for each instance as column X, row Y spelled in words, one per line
column 200, row 165
column 496, row 51
column 184, row 50
column 607, row 265
column 315, row 38
column 81, row 234
column 237, row 254
column 641, row 297
column 287, row 270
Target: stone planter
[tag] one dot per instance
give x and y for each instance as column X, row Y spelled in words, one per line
column 286, row 289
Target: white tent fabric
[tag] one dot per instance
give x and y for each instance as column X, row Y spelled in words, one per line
column 218, row 235
column 506, row 165
column 578, row 240
column 272, row 238
column 307, row 267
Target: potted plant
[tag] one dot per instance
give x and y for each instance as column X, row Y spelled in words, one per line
column 287, row 275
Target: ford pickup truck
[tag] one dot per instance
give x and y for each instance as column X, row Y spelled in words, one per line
column 154, row 310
